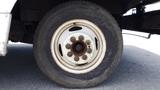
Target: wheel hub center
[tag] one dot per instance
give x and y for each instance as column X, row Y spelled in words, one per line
column 79, row 48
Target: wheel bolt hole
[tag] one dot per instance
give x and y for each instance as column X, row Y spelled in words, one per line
column 76, row 58
column 88, row 42
column 84, row 57
column 69, row 54
column 89, row 50
column 81, row 38
column 73, row 39
column 68, row 46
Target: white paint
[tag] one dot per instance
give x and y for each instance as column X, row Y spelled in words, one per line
column 5, row 20
column 153, row 7
column 148, row 8
column 6, row 5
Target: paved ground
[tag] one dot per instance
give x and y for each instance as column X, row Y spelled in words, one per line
column 138, row 70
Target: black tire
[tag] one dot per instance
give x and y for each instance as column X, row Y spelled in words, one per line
column 78, row 10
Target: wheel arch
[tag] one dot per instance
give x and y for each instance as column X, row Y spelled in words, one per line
column 30, row 10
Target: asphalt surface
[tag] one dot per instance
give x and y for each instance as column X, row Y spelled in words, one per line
column 138, row 70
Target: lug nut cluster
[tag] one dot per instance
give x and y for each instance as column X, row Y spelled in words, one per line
column 87, row 49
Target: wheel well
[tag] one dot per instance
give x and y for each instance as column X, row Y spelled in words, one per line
column 27, row 14
column 30, row 10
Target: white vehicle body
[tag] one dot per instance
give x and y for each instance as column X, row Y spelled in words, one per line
column 5, row 21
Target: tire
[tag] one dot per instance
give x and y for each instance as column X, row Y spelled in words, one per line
column 82, row 11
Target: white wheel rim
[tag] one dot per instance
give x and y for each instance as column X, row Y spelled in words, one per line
column 78, row 46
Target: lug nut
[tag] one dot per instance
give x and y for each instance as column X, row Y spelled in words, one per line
column 88, row 42
column 68, row 46
column 89, row 50
column 73, row 39
column 84, row 57
column 76, row 58
column 69, row 54
column 81, row 38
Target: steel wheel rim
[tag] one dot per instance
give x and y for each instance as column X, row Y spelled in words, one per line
column 78, row 46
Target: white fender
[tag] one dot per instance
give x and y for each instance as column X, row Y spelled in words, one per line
column 5, row 21
column 6, row 5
